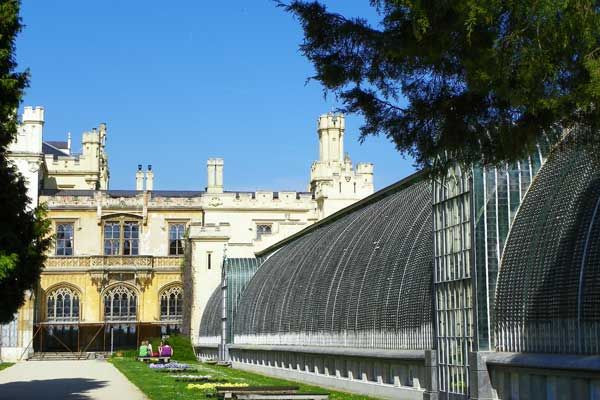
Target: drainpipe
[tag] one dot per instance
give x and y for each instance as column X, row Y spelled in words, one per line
column 223, row 351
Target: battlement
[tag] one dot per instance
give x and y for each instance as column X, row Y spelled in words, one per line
column 260, row 197
column 364, row 168
column 331, row 120
column 33, row 115
column 91, row 137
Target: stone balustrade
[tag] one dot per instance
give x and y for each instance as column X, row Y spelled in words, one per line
column 112, row 262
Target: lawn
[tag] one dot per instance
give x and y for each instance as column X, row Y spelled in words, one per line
column 5, row 365
column 163, row 386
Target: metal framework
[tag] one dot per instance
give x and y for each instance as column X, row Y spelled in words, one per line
column 363, row 280
column 548, row 294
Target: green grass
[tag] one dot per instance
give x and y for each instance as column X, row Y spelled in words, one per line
column 5, row 365
column 181, row 345
column 163, row 386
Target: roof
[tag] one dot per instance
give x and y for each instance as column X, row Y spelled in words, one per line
column 549, row 278
column 58, row 144
column 380, row 194
column 49, row 148
column 362, row 274
column 238, row 272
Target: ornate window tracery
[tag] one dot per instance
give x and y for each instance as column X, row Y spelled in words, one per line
column 263, row 229
column 120, row 304
column 171, row 304
column 62, row 304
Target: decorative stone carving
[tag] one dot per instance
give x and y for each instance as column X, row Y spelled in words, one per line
column 143, row 279
column 167, row 262
column 215, row 202
column 99, row 279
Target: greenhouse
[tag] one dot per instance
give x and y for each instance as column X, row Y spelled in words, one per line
column 484, row 284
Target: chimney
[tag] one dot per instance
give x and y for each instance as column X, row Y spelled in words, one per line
column 214, row 175
column 69, row 142
column 149, row 178
column 139, row 179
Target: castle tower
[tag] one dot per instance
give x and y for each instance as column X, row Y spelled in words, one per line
column 26, row 150
column 334, row 181
column 331, row 129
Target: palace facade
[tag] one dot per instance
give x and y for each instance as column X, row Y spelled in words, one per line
column 115, row 273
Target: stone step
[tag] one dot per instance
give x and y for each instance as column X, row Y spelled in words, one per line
column 57, row 356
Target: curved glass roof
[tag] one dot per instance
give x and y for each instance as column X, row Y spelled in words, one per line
column 210, row 324
column 367, row 271
column 548, row 293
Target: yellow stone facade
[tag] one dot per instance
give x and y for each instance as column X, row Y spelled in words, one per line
column 115, row 275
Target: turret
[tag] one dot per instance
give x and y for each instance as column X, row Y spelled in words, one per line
column 32, row 128
column 334, row 182
column 214, row 169
column 364, row 177
column 331, row 129
column 91, row 143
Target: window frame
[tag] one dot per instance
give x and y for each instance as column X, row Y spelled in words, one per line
column 179, row 247
column 260, row 233
column 164, row 298
column 120, row 290
column 57, row 224
column 74, row 304
column 127, row 241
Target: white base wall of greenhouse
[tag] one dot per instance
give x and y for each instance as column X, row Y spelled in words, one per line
column 378, row 390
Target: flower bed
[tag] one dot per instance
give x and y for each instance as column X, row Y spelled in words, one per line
column 211, row 387
column 195, row 378
column 170, row 367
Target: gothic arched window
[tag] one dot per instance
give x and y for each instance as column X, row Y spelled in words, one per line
column 120, row 304
column 171, row 304
column 62, row 305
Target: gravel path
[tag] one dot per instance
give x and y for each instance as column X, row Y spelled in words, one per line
column 72, row 380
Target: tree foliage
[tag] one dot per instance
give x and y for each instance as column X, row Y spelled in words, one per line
column 480, row 81
column 23, row 231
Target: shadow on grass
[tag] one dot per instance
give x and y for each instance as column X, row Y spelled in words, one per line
column 50, row 389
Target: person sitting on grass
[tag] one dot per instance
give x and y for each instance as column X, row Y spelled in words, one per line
column 150, row 353
column 165, row 350
column 143, row 349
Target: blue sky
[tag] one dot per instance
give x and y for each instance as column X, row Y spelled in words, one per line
column 178, row 82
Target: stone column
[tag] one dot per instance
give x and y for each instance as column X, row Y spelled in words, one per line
column 481, row 384
column 431, row 375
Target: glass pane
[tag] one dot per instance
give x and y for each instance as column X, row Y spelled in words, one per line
column 107, row 308
column 179, row 304
column 67, row 306
column 59, row 306
column 50, row 307
column 163, row 306
column 132, row 307
column 76, row 307
column 172, row 304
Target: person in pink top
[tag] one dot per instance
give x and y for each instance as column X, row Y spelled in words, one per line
column 165, row 350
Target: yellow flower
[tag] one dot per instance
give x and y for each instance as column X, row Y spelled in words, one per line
column 212, row 386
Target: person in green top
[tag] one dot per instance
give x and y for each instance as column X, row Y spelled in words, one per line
column 144, row 349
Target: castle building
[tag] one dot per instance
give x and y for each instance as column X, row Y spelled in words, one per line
column 115, row 273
